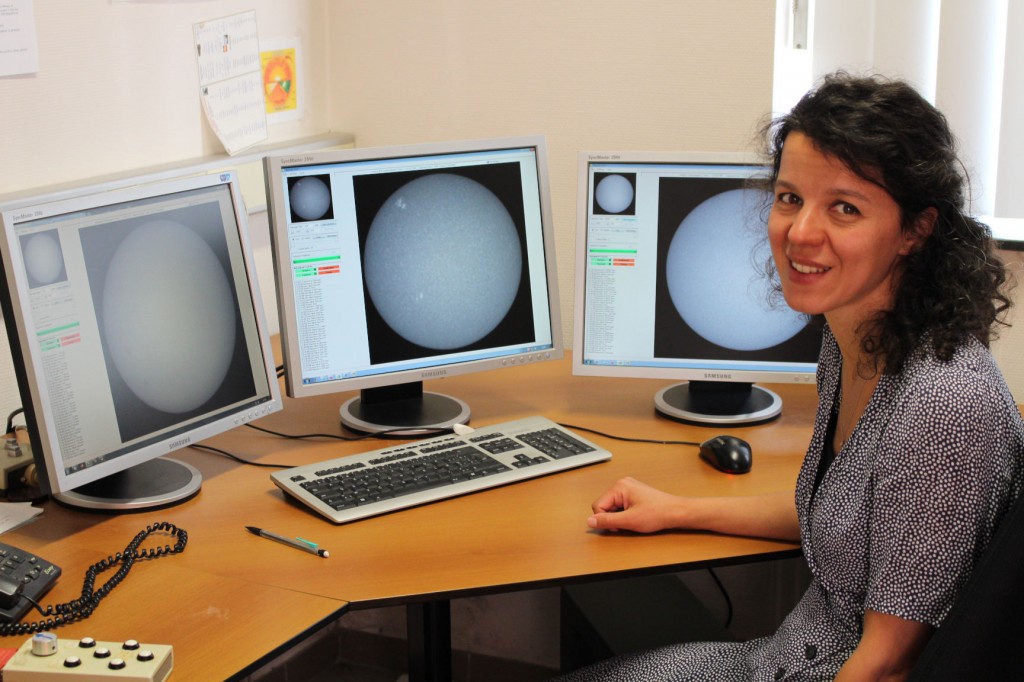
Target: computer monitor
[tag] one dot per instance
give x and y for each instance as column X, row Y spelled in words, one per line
column 136, row 329
column 398, row 265
column 670, row 285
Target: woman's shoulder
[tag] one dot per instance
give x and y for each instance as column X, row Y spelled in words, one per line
column 972, row 371
column 966, row 392
column 951, row 418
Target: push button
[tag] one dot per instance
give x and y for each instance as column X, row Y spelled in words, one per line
column 810, row 652
column 780, row 673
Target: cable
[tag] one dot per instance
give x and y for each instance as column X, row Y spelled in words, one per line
column 292, row 436
column 378, row 434
column 240, row 460
column 301, row 436
column 82, row 608
column 10, row 419
column 725, row 595
column 630, row 440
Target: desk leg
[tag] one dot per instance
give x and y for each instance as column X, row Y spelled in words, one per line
column 429, row 627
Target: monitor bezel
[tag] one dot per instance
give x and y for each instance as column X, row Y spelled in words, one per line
column 47, row 203
column 585, row 160
column 277, row 207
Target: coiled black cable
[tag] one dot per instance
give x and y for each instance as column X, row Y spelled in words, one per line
column 81, row 608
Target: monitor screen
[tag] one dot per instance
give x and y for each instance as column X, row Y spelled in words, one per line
column 670, row 284
column 136, row 328
column 398, row 265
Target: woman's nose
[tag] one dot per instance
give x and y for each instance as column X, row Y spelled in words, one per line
column 805, row 228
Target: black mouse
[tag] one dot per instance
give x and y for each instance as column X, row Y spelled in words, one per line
column 727, row 453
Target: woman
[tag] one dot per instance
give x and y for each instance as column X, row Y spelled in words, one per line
column 917, row 446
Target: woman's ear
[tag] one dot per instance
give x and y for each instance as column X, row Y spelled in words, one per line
column 920, row 230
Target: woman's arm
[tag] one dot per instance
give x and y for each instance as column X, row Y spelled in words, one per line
column 888, row 649
column 632, row 505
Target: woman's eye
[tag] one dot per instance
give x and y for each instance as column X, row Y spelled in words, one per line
column 847, row 209
column 787, row 198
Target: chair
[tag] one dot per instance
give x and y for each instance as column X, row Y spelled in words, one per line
column 982, row 638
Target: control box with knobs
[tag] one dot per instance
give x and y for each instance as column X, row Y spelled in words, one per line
column 46, row 658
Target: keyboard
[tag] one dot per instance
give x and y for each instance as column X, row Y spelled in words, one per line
column 386, row 480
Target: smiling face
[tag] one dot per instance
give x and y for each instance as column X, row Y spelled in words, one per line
column 836, row 238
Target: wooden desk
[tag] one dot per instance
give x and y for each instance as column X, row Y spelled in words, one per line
column 528, row 535
column 220, row 627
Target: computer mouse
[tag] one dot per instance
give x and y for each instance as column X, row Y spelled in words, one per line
column 727, row 453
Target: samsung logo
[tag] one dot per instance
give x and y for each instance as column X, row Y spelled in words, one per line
column 435, row 373
column 717, row 375
column 180, row 443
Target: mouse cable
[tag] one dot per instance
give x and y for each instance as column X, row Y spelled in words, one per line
column 631, row 440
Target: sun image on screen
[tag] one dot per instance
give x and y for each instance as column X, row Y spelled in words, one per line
column 444, row 264
column 309, row 198
column 614, row 194
column 44, row 258
column 167, row 315
column 712, row 296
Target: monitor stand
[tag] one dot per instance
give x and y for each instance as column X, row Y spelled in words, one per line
column 154, row 484
column 402, row 410
column 718, row 402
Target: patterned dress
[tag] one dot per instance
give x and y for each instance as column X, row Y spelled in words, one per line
column 895, row 525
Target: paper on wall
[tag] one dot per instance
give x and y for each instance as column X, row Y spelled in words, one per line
column 19, row 49
column 230, row 80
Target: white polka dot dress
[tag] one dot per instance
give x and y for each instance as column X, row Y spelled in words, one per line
column 896, row 525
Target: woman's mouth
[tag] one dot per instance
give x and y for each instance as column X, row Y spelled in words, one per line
column 807, row 269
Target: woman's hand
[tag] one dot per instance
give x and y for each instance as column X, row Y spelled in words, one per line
column 632, row 505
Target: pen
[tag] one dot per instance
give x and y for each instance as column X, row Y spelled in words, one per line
column 297, row 543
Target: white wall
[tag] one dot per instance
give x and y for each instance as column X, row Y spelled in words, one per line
column 950, row 55
column 117, row 91
column 589, row 74
column 117, row 87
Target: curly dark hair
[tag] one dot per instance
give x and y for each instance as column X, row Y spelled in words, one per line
column 884, row 131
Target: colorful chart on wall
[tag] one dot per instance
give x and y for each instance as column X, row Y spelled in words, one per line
column 281, row 81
